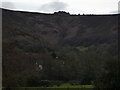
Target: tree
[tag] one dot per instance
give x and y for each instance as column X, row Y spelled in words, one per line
column 109, row 75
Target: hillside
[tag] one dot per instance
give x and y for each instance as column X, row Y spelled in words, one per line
column 82, row 42
column 62, row 29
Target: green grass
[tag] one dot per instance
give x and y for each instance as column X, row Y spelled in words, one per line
column 66, row 85
column 63, row 86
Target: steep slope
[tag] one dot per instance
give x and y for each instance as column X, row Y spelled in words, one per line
column 56, row 29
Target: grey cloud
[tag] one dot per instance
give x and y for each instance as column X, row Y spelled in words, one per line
column 115, row 12
column 9, row 5
column 54, row 6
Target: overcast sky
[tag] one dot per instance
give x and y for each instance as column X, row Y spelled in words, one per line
column 72, row 6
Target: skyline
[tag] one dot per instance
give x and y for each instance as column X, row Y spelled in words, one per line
column 71, row 6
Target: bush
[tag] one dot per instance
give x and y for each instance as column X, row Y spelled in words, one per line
column 45, row 83
column 33, row 82
column 57, row 83
column 74, row 82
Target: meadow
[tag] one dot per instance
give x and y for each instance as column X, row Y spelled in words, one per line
column 65, row 86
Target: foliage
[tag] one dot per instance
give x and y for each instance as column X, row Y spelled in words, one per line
column 108, row 77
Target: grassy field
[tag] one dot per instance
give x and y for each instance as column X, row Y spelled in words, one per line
column 65, row 86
